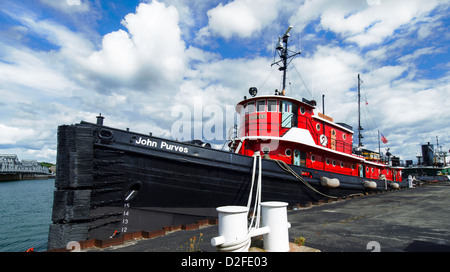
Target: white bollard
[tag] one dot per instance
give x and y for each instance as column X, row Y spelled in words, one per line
column 274, row 216
column 232, row 224
column 410, row 181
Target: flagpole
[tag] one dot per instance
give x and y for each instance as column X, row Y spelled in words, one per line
column 379, row 145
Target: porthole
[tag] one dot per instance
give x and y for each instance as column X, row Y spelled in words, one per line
column 288, row 152
column 327, row 161
column 313, row 158
column 353, row 167
column 333, row 163
column 318, row 127
column 344, row 136
column 367, row 169
column 302, row 110
column 372, row 170
column 342, row 164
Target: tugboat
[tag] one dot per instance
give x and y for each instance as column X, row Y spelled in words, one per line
column 432, row 166
column 112, row 181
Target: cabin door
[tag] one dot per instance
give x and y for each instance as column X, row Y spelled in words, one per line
column 333, row 139
column 286, row 114
column 361, row 171
column 296, row 157
column 299, row 158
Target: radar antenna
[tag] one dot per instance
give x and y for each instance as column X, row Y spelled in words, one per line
column 282, row 49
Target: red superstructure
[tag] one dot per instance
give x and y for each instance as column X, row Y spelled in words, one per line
column 290, row 130
column 287, row 129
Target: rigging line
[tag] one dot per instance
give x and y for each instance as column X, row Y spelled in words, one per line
column 351, row 110
column 262, row 85
column 369, row 139
column 370, row 132
column 367, row 108
column 370, row 116
column 367, row 125
column 302, row 80
column 290, row 83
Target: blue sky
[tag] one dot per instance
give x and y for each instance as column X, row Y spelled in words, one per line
column 138, row 62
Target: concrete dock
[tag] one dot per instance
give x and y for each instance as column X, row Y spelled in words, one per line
column 408, row 220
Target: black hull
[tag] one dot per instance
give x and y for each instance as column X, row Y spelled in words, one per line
column 112, row 180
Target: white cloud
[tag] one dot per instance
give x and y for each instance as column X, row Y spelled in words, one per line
column 360, row 22
column 13, row 135
column 149, row 53
column 242, row 17
column 34, row 71
column 68, row 6
column 419, row 52
column 73, row 2
column 330, row 70
column 46, row 154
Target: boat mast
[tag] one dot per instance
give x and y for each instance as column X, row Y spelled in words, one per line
column 283, row 52
column 284, row 58
column 360, row 145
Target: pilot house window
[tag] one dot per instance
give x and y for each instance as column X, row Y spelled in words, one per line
column 261, row 105
column 271, row 105
column 251, row 107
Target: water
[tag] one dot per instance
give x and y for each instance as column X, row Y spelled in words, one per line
column 25, row 214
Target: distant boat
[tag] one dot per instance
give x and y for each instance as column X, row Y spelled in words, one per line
column 431, row 166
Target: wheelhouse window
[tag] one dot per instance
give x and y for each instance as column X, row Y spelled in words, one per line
column 261, row 105
column 251, row 107
column 271, row 105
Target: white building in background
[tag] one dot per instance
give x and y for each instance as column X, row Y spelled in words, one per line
column 11, row 163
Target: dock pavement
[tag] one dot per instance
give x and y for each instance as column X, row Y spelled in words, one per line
column 406, row 220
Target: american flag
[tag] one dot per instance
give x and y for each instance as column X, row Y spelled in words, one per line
column 383, row 139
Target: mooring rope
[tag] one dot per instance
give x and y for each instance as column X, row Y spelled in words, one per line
column 288, row 169
column 243, row 244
